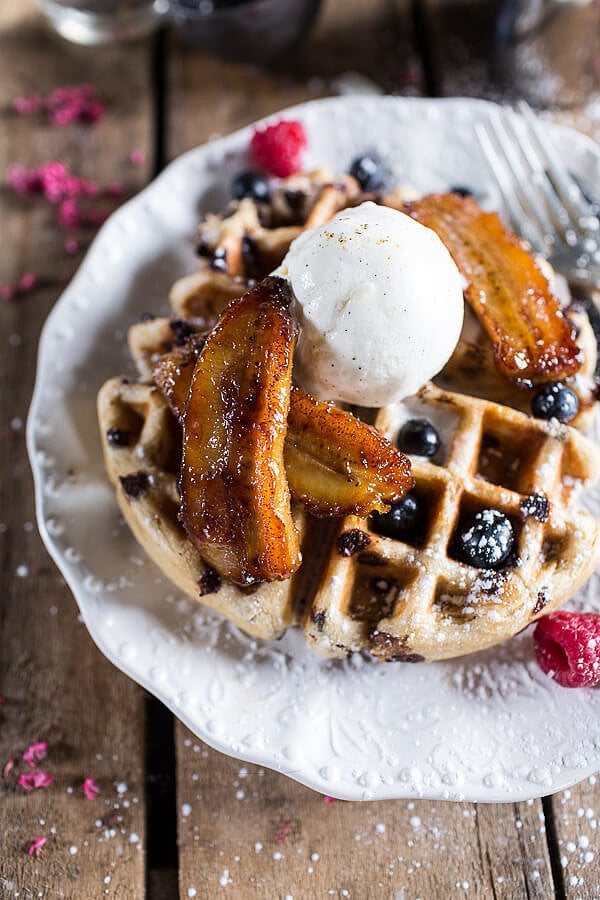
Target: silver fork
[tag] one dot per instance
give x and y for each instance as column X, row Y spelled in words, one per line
column 546, row 204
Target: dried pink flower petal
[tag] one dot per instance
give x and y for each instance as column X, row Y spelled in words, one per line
column 36, row 845
column 94, row 111
column 22, row 180
column 29, row 104
column 8, row 767
column 284, row 830
column 35, row 753
column 137, row 157
column 52, row 179
column 63, row 105
column 27, row 282
column 32, row 781
column 328, row 799
column 69, row 215
column 90, row 788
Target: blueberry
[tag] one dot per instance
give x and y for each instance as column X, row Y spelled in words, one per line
column 402, row 519
column 250, row 184
column 419, row 437
column 555, row 401
column 369, row 172
column 486, row 540
column 461, row 190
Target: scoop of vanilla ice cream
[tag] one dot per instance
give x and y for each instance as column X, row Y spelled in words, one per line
column 379, row 303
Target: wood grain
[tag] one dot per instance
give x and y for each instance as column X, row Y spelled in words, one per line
column 56, row 686
column 262, row 835
column 575, row 822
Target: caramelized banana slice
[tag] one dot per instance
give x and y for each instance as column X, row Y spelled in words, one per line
column 335, row 464
column 338, row 465
column 235, row 501
column 174, row 371
column 510, row 296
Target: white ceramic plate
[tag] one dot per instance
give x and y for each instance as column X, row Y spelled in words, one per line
column 490, row 727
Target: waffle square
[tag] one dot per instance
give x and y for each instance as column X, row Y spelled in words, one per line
column 415, row 599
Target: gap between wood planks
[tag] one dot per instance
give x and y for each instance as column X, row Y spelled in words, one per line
column 161, row 795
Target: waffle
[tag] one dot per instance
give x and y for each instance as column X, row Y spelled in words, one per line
column 482, row 469
column 416, row 600
column 142, row 449
column 408, row 601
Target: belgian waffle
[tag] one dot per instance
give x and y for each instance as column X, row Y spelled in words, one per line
column 409, row 600
column 142, row 449
column 415, row 600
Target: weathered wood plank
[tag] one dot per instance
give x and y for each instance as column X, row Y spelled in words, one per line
column 461, row 48
column 57, row 686
column 262, row 835
column 575, row 827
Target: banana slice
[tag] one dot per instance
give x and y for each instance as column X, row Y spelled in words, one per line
column 532, row 339
column 337, row 465
column 235, row 500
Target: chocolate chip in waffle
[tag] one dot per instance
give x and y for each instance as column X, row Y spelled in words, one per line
column 142, row 449
column 415, row 599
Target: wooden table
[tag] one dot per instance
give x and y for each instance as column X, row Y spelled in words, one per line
column 174, row 817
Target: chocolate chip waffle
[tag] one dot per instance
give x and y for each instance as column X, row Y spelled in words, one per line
column 142, row 449
column 376, row 594
column 414, row 599
column 252, row 238
column 411, row 599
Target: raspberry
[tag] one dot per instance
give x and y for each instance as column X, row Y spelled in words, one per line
column 567, row 647
column 278, row 148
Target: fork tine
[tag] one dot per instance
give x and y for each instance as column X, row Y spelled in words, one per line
column 571, row 196
column 500, row 169
column 534, row 208
column 533, row 181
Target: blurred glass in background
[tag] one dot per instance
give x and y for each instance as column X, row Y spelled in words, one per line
column 244, row 30
column 97, row 22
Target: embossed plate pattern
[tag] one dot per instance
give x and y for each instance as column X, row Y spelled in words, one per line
column 490, row 727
